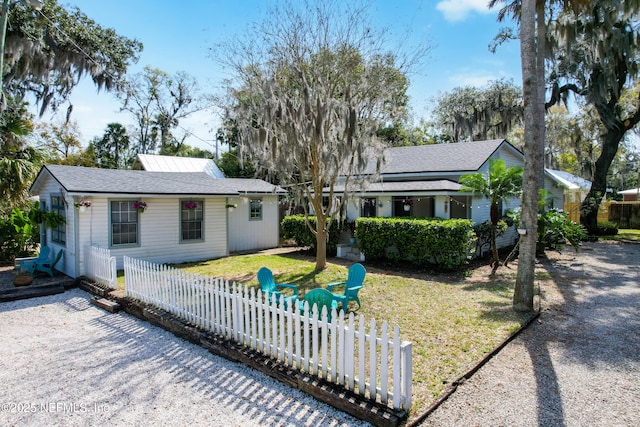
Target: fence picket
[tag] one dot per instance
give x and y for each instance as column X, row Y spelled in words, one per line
column 384, row 362
column 337, row 351
column 101, row 266
column 373, row 362
column 349, row 353
column 362, row 347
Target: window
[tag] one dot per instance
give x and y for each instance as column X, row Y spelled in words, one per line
column 59, row 234
column 460, row 207
column 124, row 223
column 255, row 209
column 368, row 209
column 191, row 218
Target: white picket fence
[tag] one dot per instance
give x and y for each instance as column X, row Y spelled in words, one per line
column 341, row 351
column 101, row 266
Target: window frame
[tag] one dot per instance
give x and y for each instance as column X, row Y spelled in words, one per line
column 182, row 221
column 251, row 210
column 62, row 228
column 370, row 203
column 112, row 223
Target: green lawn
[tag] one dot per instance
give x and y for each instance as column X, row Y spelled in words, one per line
column 624, row 235
column 452, row 320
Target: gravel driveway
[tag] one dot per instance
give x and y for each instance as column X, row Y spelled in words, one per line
column 578, row 365
column 68, row 363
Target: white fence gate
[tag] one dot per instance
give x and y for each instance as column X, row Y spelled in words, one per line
column 341, row 351
column 101, row 266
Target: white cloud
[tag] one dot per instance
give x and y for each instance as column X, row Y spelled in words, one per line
column 458, row 10
column 477, row 78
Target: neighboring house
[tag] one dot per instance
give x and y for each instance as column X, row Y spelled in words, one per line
column 575, row 188
column 428, row 176
column 630, row 195
column 189, row 216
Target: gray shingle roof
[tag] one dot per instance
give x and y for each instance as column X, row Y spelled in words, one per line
column 93, row 180
column 405, row 186
column 461, row 156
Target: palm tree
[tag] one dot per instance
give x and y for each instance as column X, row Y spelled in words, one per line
column 503, row 182
column 18, row 161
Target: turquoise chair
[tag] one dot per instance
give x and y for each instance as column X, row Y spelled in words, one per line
column 269, row 285
column 46, row 266
column 321, row 298
column 353, row 284
column 28, row 264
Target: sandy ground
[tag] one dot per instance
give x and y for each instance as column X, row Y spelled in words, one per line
column 65, row 362
column 578, row 365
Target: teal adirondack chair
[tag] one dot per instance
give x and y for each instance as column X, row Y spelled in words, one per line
column 321, row 298
column 268, row 284
column 353, row 284
column 46, row 266
column 28, row 264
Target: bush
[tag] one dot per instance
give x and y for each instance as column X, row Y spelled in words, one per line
column 18, row 236
column 445, row 243
column 607, row 228
column 555, row 229
column 483, row 235
column 295, row 227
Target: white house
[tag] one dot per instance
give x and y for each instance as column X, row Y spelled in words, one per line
column 428, row 176
column 187, row 216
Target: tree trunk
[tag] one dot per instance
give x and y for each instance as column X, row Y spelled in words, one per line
column 494, row 214
column 591, row 204
column 533, row 155
column 321, row 247
column 494, row 249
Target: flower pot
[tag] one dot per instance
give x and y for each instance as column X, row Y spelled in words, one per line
column 407, row 208
column 22, row 280
column 83, row 208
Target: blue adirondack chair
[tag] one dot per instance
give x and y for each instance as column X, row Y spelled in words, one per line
column 321, row 298
column 353, row 284
column 28, row 264
column 46, row 266
column 268, row 284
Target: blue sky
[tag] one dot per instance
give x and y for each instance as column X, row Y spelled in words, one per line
column 177, row 36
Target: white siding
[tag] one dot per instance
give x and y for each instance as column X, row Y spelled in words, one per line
column 246, row 234
column 556, row 192
column 67, row 264
column 159, row 231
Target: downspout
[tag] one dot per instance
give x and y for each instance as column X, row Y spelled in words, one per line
column 76, row 240
column 226, row 212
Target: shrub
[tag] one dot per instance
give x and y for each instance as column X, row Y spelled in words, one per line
column 445, row 243
column 295, row 227
column 483, row 234
column 607, row 228
column 555, row 229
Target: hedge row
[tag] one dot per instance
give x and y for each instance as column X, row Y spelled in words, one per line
column 295, row 227
column 444, row 243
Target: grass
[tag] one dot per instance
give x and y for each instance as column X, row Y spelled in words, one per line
column 625, row 236
column 452, row 320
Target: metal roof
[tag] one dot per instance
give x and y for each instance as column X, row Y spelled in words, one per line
column 157, row 163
